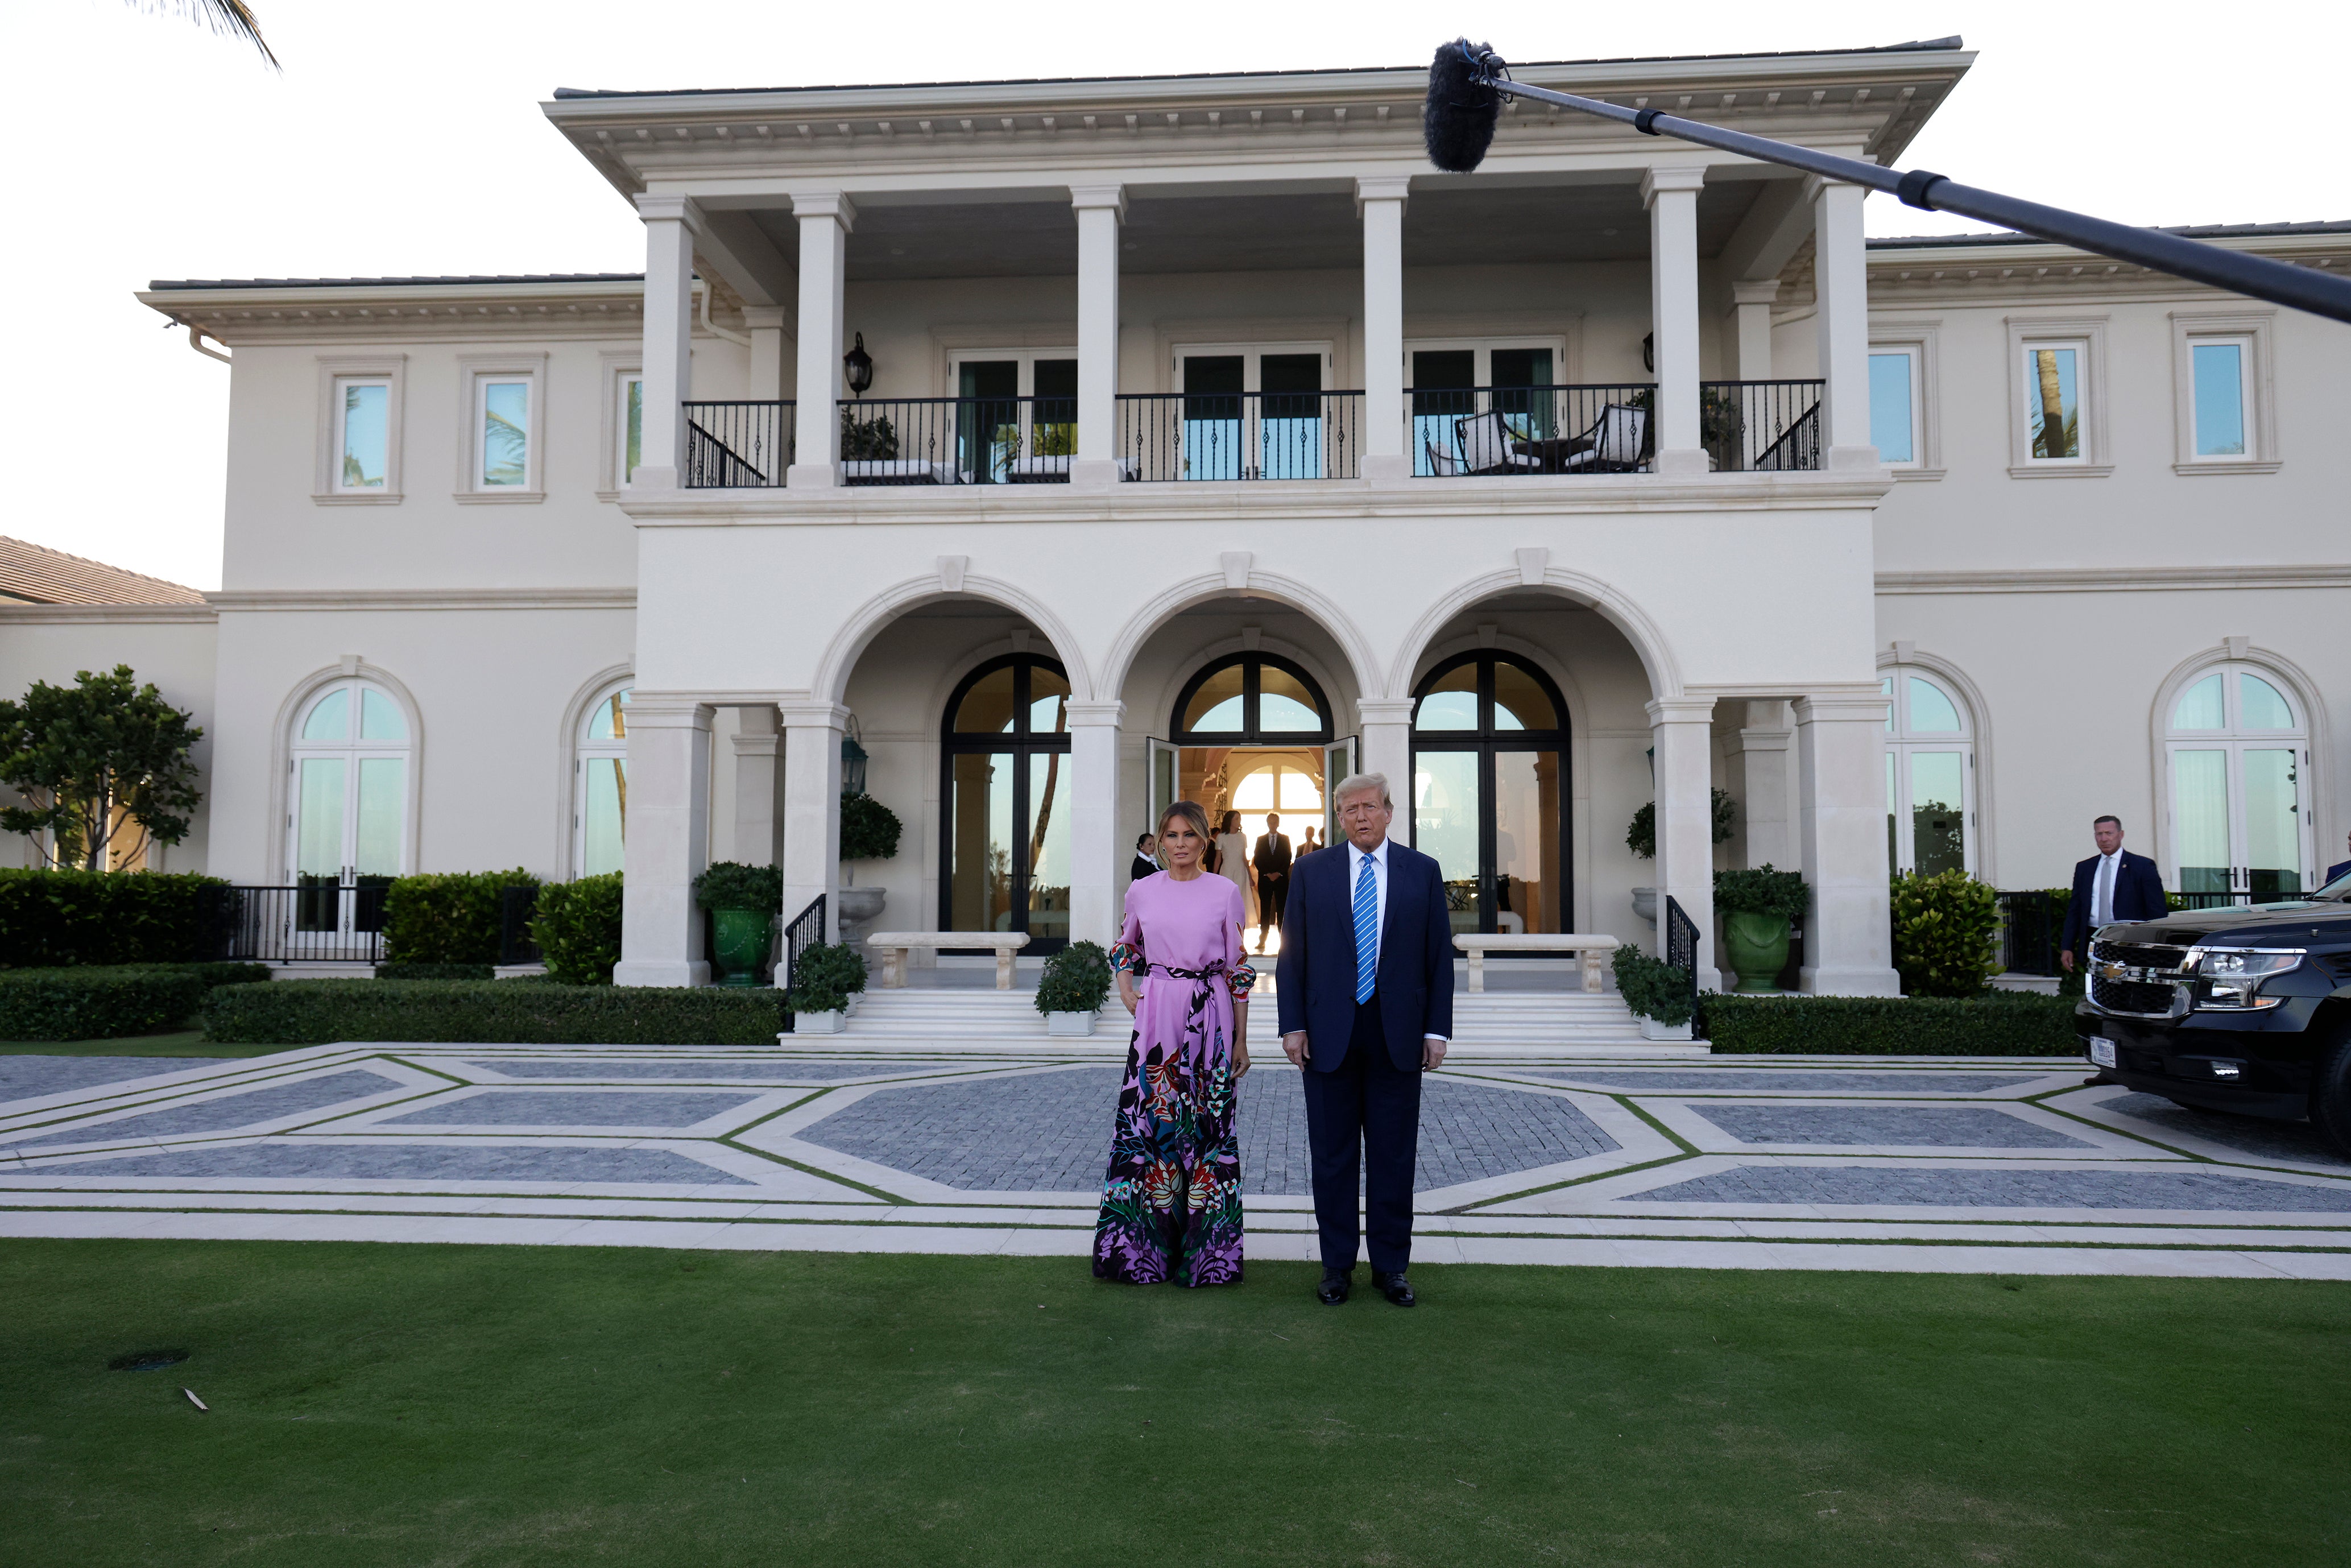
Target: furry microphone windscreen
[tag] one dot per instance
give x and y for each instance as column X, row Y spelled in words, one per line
column 1458, row 119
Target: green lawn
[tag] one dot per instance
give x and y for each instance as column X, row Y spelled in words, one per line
column 405, row 1405
column 187, row 1043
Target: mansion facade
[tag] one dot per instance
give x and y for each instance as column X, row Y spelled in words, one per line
column 1048, row 451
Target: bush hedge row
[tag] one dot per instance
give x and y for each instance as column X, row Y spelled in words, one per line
column 491, row 1012
column 447, row 917
column 94, row 1001
column 436, row 971
column 1999, row 1023
column 56, row 918
column 577, row 928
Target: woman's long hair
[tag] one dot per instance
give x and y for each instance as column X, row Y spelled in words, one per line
column 1232, row 823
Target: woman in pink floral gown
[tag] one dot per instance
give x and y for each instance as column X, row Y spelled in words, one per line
column 1171, row 1208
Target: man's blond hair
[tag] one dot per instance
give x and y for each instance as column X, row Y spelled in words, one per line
column 1356, row 783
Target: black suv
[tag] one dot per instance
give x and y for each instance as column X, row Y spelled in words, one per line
column 2243, row 1009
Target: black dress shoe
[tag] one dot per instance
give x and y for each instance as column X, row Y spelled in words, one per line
column 1396, row 1288
column 1333, row 1291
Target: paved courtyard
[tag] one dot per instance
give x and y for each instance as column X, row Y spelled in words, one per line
column 2004, row 1167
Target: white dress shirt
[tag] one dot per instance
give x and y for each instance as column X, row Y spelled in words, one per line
column 1356, row 856
column 2102, row 888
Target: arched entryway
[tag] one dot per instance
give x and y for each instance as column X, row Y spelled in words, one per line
column 1489, row 791
column 1004, row 801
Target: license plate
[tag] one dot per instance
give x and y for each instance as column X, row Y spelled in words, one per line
column 2101, row 1052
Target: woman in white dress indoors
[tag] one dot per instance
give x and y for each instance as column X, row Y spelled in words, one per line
column 1233, row 861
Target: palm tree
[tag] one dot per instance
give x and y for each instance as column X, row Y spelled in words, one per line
column 232, row 17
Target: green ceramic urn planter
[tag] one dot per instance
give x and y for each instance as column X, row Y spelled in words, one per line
column 1757, row 946
column 742, row 942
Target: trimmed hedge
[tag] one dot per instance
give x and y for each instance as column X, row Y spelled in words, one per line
column 447, row 917
column 93, row 1001
column 491, row 1012
column 1998, row 1023
column 56, row 918
column 436, row 971
column 577, row 928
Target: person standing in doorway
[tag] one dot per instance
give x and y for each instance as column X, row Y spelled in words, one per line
column 2111, row 885
column 1271, row 862
column 1364, row 989
column 1143, row 864
column 1229, row 859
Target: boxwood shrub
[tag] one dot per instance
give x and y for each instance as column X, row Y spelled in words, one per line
column 491, row 1012
column 447, row 917
column 1995, row 1023
column 436, row 971
column 577, row 928
column 53, row 919
column 96, row 1001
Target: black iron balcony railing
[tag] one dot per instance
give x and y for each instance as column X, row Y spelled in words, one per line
column 320, row 920
column 1760, row 427
column 1462, row 431
column 958, row 440
column 738, row 445
column 1186, row 436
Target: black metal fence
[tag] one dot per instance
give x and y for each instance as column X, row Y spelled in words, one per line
column 958, row 440
column 804, row 932
column 2032, row 926
column 1180, row 436
column 738, row 445
column 316, row 921
column 1760, row 426
column 1480, row 431
column 1682, row 944
column 518, row 901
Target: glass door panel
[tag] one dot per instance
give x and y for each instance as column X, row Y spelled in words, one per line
column 1049, row 846
column 1938, row 811
column 2199, row 816
column 318, row 858
column 1162, row 792
column 1338, row 765
column 1290, row 411
column 1445, row 823
column 1526, row 880
column 1212, row 416
column 1893, row 856
column 1442, row 380
column 2272, row 857
column 988, row 424
column 980, row 869
column 603, row 815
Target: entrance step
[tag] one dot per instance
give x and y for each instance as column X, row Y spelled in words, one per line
column 944, row 1013
column 1543, row 1019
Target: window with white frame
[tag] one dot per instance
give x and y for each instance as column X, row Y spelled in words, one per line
column 600, row 767
column 1930, row 773
column 349, row 822
column 1453, row 379
column 629, row 418
column 2237, row 756
column 2221, row 390
column 1894, row 405
column 1256, row 410
column 2056, row 382
column 359, row 430
column 2052, row 409
column 998, row 435
column 504, row 429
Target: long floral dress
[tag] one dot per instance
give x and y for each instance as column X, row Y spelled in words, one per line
column 1171, row 1208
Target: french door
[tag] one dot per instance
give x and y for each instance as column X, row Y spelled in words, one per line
column 1489, row 796
column 1005, row 800
column 2238, row 826
column 1255, row 413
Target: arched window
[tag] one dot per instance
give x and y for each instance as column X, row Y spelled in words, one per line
column 1252, row 699
column 2238, row 750
column 1004, row 801
column 600, row 771
column 348, row 830
column 1930, row 775
column 1490, row 795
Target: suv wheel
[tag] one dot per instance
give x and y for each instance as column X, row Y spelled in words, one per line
column 2330, row 1094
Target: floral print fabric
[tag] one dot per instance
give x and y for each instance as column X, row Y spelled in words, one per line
column 1171, row 1208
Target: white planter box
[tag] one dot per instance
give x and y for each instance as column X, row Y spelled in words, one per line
column 1071, row 1026
column 1652, row 1029
column 818, row 1023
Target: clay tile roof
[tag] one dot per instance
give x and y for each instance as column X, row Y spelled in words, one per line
column 41, row 576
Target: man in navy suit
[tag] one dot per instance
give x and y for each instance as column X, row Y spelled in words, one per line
column 2338, row 869
column 1365, row 987
column 2113, row 885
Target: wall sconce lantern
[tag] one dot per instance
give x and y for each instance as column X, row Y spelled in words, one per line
column 857, row 368
column 1648, row 353
column 852, row 761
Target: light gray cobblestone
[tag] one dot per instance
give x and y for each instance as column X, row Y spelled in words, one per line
column 503, row 1107
column 765, row 1072
column 30, row 1077
column 230, row 1112
column 1862, row 1124
column 2256, row 1135
column 409, row 1162
column 1727, row 1081
column 1943, row 1187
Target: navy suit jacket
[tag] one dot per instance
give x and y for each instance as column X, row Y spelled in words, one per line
column 2139, row 895
column 1314, row 979
column 2337, row 870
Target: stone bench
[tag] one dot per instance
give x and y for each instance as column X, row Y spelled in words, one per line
column 896, row 944
column 1478, row 943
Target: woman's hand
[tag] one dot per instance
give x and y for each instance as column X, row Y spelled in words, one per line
column 1240, row 1061
column 1126, row 990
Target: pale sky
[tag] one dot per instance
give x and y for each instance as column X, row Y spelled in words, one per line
column 408, row 140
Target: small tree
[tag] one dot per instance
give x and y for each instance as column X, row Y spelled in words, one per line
column 104, row 766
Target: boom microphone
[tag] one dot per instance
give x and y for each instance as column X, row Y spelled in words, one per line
column 1467, row 81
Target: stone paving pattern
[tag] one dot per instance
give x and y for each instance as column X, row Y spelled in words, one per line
column 2264, row 1139
column 502, row 1107
column 1862, row 1124
column 265, row 1103
column 30, row 1077
column 409, row 1162
column 768, row 1072
column 1942, row 1188
column 1726, row 1081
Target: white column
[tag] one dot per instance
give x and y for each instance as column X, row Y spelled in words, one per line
column 1095, row 860
column 1840, row 278
column 766, row 324
column 812, row 835
column 758, row 785
column 1841, row 821
column 1385, row 746
column 825, row 219
column 1101, row 210
column 670, row 224
column 1381, row 200
column 1671, row 197
column 1681, row 730
column 668, row 842
column 1763, row 745
column 1750, row 306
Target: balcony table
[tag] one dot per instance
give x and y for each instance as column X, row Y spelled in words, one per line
column 1553, row 452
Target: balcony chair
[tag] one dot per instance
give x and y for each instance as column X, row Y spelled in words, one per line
column 1485, row 447
column 1056, row 470
column 1620, row 439
column 1442, row 466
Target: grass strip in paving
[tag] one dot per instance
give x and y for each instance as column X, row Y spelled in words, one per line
column 406, row 1405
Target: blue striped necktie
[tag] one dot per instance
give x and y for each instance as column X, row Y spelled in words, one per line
column 1367, row 930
